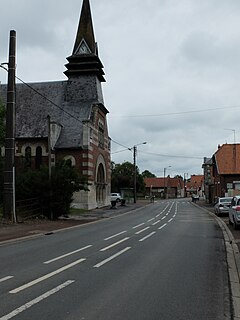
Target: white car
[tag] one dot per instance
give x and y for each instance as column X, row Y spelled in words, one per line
column 222, row 205
column 234, row 212
column 116, row 197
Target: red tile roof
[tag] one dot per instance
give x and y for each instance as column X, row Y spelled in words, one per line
column 159, row 182
column 228, row 159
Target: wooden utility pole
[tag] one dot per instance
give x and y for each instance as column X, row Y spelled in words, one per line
column 9, row 170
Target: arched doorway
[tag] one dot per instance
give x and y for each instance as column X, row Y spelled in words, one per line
column 100, row 185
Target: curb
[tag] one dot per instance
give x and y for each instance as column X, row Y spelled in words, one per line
column 233, row 262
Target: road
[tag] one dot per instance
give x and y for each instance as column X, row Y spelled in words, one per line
column 165, row 261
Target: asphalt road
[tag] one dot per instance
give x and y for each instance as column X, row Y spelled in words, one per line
column 165, row 261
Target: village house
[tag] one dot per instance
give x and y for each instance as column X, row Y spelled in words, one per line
column 222, row 172
column 67, row 119
column 164, row 187
column 195, row 185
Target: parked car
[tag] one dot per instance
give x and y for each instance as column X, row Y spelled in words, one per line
column 222, row 205
column 234, row 212
column 116, row 197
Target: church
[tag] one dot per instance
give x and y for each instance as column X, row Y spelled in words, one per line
column 68, row 119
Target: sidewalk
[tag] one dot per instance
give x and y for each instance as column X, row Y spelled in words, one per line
column 38, row 227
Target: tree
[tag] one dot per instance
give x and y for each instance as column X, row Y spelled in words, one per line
column 148, row 174
column 123, row 177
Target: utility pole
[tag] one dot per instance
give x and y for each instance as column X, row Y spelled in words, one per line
column 9, row 170
column 135, row 174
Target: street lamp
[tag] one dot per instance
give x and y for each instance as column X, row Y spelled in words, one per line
column 164, row 174
column 135, row 170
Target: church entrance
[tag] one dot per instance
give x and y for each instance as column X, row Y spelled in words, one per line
column 100, row 185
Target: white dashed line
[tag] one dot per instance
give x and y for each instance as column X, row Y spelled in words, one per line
column 110, row 258
column 67, row 254
column 115, row 235
column 156, row 222
column 31, row 303
column 140, row 231
column 164, row 225
column 170, row 220
column 115, row 244
column 150, row 220
column 139, row 225
column 6, row 278
column 163, row 217
column 148, row 236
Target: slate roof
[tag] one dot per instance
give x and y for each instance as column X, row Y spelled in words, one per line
column 32, row 111
column 227, row 159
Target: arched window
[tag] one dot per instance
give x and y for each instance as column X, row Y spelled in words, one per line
column 38, row 159
column 28, row 157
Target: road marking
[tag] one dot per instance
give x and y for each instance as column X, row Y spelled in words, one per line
column 110, row 258
column 6, row 278
column 46, row 276
column 163, row 217
column 139, row 225
column 156, row 222
column 170, row 220
column 158, row 215
column 140, row 231
column 36, row 300
column 114, row 244
column 149, row 235
column 150, row 220
column 164, row 225
column 115, row 235
column 67, row 254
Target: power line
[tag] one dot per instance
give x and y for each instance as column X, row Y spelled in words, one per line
column 171, row 156
column 174, row 113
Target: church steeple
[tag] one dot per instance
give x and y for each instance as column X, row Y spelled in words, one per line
column 84, row 58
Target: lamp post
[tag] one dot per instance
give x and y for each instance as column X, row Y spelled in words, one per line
column 135, row 170
column 164, row 174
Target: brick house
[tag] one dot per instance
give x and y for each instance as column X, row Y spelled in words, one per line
column 67, row 119
column 174, row 187
column 195, row 185
column 226, row 170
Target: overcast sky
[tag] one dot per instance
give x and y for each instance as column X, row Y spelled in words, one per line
column 172, row 70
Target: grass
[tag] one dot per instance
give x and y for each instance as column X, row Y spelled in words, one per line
column 77, row 212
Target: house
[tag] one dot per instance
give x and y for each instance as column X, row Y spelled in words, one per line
column 67, row 119
column 164, row 187
column 222, row 172
column 195, row 185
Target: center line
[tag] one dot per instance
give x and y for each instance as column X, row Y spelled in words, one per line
column 156, row 222
column 46, row 276
column 115, row 235
column 114, row 244
column 140, row 231
column 139, row 225
column 149, row 235
column 150, row 220
column 29, row 304
column 110, row 258
column 164, row 225
column 67, row 254
column 163, row 218
column 6, row 278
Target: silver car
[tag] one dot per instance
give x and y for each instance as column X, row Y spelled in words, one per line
column 234, row 212
column 222, row 206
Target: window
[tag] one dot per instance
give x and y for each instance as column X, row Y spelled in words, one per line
column 38, row 159
column 28, row 157
column 100, row 135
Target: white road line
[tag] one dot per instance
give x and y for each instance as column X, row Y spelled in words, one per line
column 142, row 230
column 110, row 258
column 149, row 235
column 170, row 220
column 46, row 276
column 67, row 254
column 139, row 225
column 114, row 244
column 6, row 278
column 150, row 220
column 163, row 217
column 156, row 222
column 115, row 235
column 164, row 225
column 36, row 300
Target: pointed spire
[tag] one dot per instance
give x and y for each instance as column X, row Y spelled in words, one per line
column 85, row 41
column 84, row 59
